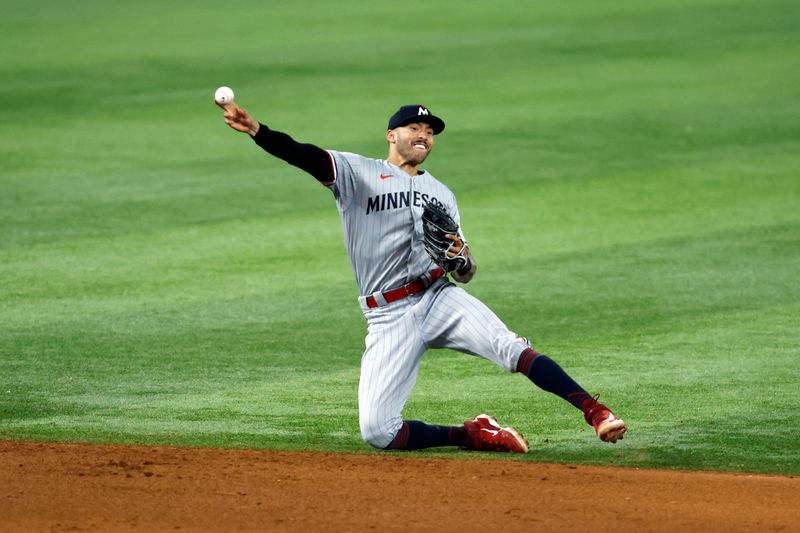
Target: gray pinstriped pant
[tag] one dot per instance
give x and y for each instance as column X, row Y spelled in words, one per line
column 444, row 316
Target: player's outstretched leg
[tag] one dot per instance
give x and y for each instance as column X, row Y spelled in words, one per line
column 481, row 433
column 546, row 374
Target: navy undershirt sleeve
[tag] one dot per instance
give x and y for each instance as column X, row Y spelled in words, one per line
column 307, row 157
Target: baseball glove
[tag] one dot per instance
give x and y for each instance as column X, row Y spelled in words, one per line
column 436, row 222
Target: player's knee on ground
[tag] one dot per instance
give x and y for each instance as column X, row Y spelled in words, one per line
column 379, row 433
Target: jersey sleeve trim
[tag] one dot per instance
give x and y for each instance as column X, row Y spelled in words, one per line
column 333, row 170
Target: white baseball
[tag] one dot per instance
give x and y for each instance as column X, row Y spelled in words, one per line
column 224, row 95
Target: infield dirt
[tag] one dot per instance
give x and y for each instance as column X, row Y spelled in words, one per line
column 75, row 487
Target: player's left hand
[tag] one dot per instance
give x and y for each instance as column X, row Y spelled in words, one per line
column 460, row 249
column 455, row 248
column 443, row 243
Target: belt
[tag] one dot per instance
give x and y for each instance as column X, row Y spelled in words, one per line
column 417, row 286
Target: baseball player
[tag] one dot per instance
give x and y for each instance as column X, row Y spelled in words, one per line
column 409, row 302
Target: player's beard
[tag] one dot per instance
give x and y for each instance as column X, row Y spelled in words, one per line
column 413, row 155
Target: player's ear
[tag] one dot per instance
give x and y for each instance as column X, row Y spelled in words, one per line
column 390, row 136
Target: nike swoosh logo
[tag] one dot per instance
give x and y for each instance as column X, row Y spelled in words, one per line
column 386, row 176
column 491, row 432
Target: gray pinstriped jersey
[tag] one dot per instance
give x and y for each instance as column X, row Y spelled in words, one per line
column 381, row 208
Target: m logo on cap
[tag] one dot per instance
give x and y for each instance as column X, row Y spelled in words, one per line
column 423, row 111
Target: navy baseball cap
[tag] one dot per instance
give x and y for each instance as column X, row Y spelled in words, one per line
column 416, row 113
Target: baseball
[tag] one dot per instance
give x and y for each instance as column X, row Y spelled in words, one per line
column 224, row 95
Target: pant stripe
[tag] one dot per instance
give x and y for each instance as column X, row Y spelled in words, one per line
column 526, row 360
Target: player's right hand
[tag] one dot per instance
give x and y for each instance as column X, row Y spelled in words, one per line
column 238, row 118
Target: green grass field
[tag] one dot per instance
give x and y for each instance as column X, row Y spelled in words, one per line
column 628, row 176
